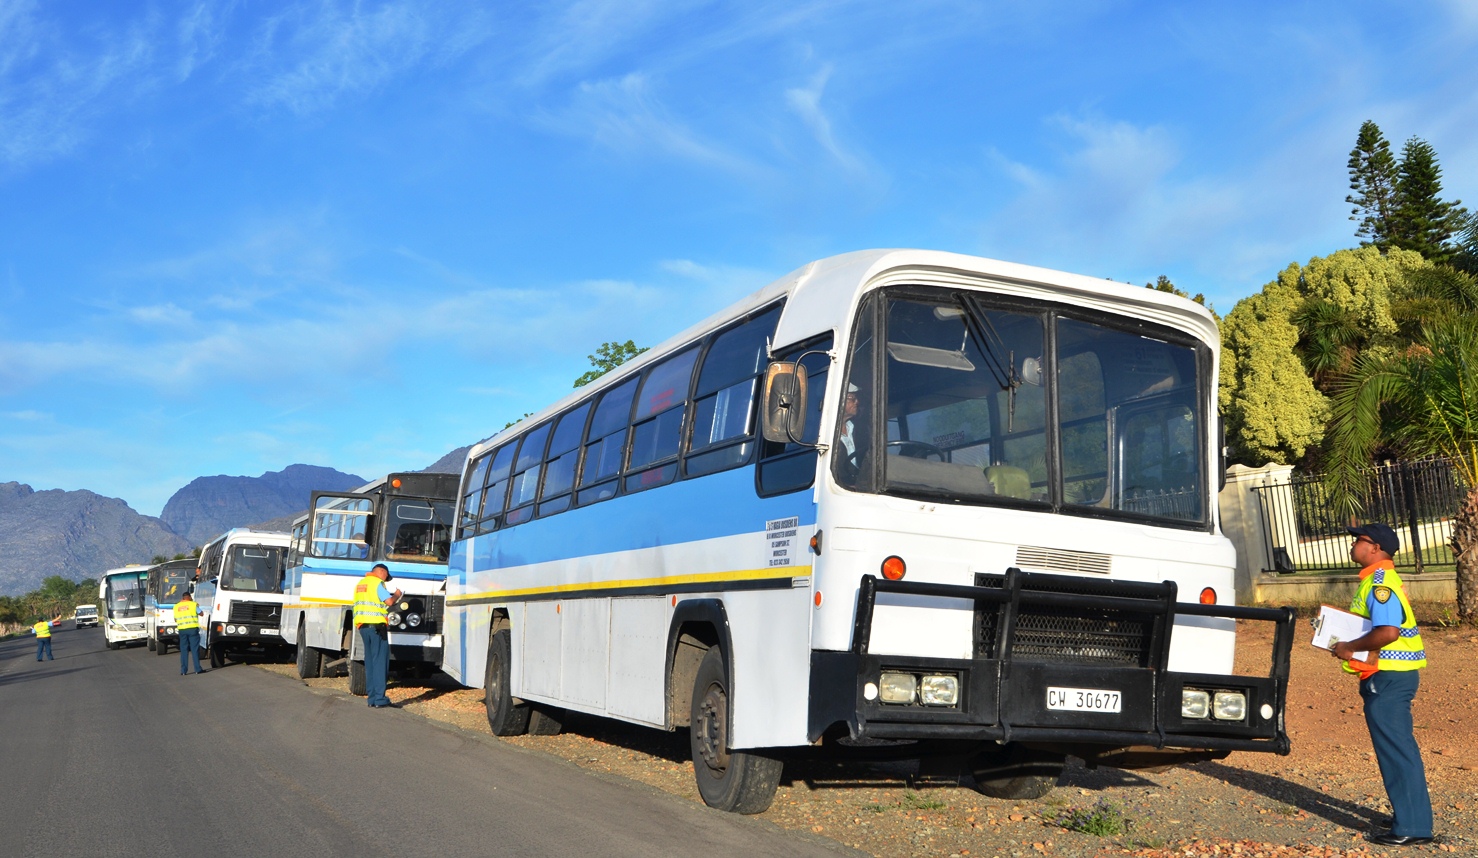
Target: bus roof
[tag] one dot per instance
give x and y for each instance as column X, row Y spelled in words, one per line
column 822, row 294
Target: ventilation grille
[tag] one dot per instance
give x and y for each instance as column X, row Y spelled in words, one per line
column 1036, row 559
column 1068, row 635
column 256, row 613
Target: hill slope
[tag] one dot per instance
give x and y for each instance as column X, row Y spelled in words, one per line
column 73, row 534
column 209, row 506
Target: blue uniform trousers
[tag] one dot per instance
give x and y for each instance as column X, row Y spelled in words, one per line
column 189, row 648
column 43, row 645
column 376, row 661
column 1387, row 695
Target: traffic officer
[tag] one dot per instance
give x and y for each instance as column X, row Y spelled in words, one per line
column 371, row 599
column 187, row 622
column 43, row 637
column 1388, row 682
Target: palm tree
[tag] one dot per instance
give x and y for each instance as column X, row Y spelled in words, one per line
column 1422, row 401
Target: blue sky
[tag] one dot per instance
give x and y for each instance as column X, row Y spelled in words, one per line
column 237, row 236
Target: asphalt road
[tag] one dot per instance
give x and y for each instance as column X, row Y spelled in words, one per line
column 113, row 753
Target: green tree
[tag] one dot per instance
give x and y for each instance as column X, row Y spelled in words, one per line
column 1373, row 181
column 1423, row 221
column 607, row 357
column 1421, row 402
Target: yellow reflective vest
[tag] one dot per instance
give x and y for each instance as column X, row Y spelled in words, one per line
column 368, row 609
column 43, row 629
column 187, row 615
column 1406, row 652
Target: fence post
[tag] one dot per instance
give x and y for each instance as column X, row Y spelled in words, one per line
column 1408, row 486
column 1241, row 517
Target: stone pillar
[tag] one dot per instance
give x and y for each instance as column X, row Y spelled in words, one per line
column 1242, row 522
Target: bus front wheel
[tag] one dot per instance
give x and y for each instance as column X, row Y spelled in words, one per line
column 505, row 717
column 358, row 682
column 160, row 647
column 151, row 645
column 1016, row 772
column 735, row 781
column 217, row 656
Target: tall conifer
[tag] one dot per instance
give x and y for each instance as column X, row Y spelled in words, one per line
column 1423, row 221
column 1373, row 179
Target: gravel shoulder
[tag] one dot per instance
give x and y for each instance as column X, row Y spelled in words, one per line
column 1315, row 802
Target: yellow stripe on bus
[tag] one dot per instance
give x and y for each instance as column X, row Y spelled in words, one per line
column 629, row 583
column 316, row 603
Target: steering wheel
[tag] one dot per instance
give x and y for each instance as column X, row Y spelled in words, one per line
column 918, row 450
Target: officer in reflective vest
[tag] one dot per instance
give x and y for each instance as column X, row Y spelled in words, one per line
column 1388, row 682
column 371, row 599
column 187, row 622
column 43, row 637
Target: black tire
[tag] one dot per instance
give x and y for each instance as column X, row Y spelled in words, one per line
column 1015, row 772
column 217, row 656
column 151, row 645
column 310, row 660
column 358, row 679
column 109, row 644
column 545, row 720
column 735, row 781
column 505, row 717
column 160, row 647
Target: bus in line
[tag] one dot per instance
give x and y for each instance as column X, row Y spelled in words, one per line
column 950, row 504
column 121, row 592
column 167, row 582
column 403, row 521
column 243, row 569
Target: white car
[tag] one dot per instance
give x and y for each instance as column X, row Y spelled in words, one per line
column 85, row 615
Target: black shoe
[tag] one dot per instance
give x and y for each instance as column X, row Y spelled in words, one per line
column 1386, row 838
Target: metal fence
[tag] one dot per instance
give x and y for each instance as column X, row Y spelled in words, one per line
column 1303, row 533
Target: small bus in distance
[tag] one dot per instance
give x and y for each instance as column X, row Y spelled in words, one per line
column 121, row 592
column 85, row 616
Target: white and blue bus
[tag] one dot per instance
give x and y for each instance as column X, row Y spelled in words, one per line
column 242, row 572
column 403, row 521
column 167, row 582
column 895, row 495
column 121, row 592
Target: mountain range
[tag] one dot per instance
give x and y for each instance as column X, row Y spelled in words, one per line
column 80, row 534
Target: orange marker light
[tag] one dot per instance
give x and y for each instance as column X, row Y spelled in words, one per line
column 674, row 601
column 1208, row 596
column 818, row 598
column 894, row 568
column 395, row 483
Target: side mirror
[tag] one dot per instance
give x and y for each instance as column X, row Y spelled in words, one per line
column 784, row 418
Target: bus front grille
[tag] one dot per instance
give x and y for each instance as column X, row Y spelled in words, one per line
column 1070, row 635
column 256, row 613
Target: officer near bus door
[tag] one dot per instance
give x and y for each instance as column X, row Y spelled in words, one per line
column 43, row 637
column 1389, row 683
column 187, row 622
column 371, row 601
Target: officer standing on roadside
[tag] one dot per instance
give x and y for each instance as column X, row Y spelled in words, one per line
column 1389, row 682
column 370, row 602
column 43, row 637
column 187, row 622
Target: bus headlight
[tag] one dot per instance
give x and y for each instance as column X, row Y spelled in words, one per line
column 1194, row 703
column 393, row 618
column 413, row 620
column 1229, row 706
column 940, row 690
column 897, row 687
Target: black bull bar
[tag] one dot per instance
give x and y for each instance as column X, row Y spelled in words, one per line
column 1003, row 688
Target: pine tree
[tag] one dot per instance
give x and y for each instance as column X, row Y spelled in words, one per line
column 1423, row 221
column 1373, row 178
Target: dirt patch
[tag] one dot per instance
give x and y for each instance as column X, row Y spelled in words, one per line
column 1315, row 802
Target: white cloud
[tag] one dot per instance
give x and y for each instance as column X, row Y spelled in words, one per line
column 806, row 102
column 162, row 314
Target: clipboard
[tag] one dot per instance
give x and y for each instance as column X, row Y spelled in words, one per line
column 1333, row 625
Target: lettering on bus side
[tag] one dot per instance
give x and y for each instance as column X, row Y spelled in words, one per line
column 780, row 533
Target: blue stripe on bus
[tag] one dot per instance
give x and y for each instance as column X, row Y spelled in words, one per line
column 712, row 507
column 361, row 568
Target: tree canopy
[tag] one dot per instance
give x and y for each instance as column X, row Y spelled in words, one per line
column 607, row 357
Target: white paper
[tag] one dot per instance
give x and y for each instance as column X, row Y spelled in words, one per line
column 1333, row 625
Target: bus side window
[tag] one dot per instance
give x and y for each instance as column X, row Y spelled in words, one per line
column 656, row 431
column 605, row 444
column 497, row 491
column 790, row 467
column 564, row 453
column 723, row 399
column 524, row 484
column 472, row 494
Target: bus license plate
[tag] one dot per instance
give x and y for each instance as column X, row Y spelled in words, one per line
column 1083, row 700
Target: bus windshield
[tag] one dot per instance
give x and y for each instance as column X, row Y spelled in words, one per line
column 126, row 594
column 254, row 568
column 418, row 530
column 173, row 583
column 971, row 393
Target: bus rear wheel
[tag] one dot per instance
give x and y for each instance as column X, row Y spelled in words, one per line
column 505, row 717
column 546, row 720
column 358, row 681
column 310, row 660
column 735, row 781
column 1016, row 772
